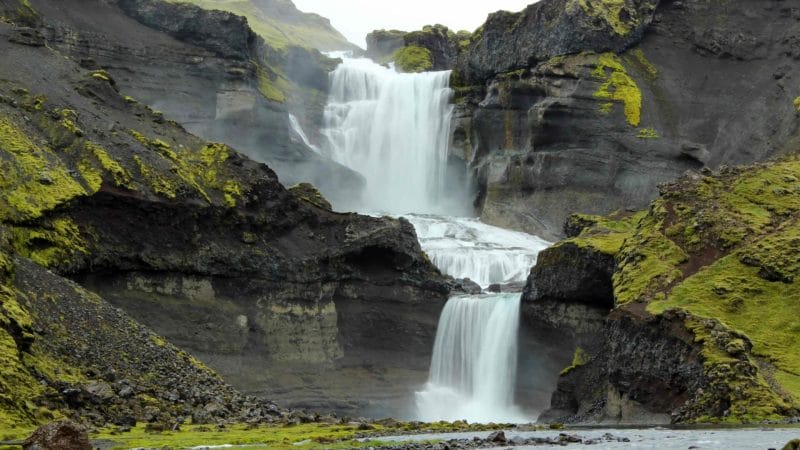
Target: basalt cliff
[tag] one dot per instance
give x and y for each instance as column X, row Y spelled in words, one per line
column 124, row 235
column 572, row 106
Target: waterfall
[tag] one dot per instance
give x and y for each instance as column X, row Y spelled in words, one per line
column 394, row 129
column 298, row 130
column 473, row 370
column 467, row 248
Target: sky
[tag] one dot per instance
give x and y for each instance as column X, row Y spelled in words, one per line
column 356, row 18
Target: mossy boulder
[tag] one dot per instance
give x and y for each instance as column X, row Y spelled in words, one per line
column 413, row 59
column 308, row 193
column 580, row 268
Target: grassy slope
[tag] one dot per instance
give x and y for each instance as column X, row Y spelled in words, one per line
column 726, row 249
column 310, row 33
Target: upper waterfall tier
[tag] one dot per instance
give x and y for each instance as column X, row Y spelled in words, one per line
column 394, row 129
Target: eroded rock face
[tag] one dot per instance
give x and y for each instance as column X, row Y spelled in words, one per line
column 280, row 295
column 642, row 371
column 509, row 41
column 594, row 132
column 208, row 71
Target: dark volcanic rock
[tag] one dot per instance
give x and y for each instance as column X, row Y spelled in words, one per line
column 221, row 32
column 545, row 139
column 644, row 371
column 509, row 41
column 443, row 44
column 58, row 436
column 211, row 73
column 382, row 44
column 571, row 273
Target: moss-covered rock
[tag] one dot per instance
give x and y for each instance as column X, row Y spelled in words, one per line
column 308, row 193
column 721, row 251
column 413, row 59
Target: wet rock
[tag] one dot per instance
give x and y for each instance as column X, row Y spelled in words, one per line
column 62, row 435
column 497, row 437
column 464, row 286
column 569, row 438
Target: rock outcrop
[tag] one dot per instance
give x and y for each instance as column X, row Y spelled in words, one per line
column 439, row 45
column 275, row 292
column 703, row 304
column 211, row 73
column 576, row 106
column 511, row 41
column 282, row 24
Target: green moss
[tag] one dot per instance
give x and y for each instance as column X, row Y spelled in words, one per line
column 792, row 445
column 269, row 86
column 649, row 261
column 68, row 119
column 102, row 75
column 579, row 358
column 307, row 436
column 618, row 86
column 737, row 387
column 413, row 59
column 232, row 190
column 33, row 179
column 604, row 234
column 648, row 133
column 613, row 13
column 797, row 104
column 122, row 178
column 199, row 170
column 160, row 184
column 53, row 244
column 645, row 64
column 738, row 295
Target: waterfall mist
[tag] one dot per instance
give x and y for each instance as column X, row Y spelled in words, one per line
column 394, row 129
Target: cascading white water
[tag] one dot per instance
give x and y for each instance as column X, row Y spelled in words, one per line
column 394, row 129
column 298, row 130
column 467, row 248
column 474, row 363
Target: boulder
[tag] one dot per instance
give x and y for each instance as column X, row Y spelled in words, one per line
column 63, row 435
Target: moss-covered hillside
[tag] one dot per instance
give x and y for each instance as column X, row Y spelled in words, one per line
column 724, row 248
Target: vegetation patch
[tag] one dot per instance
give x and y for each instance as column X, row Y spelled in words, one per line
column 604, row 234
column 54, row 244
column 413, row 59
column 617, row 86
column 34, row 179
column 579, row 358
column 648, row 133
column 614, row 14
column 725, row 249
